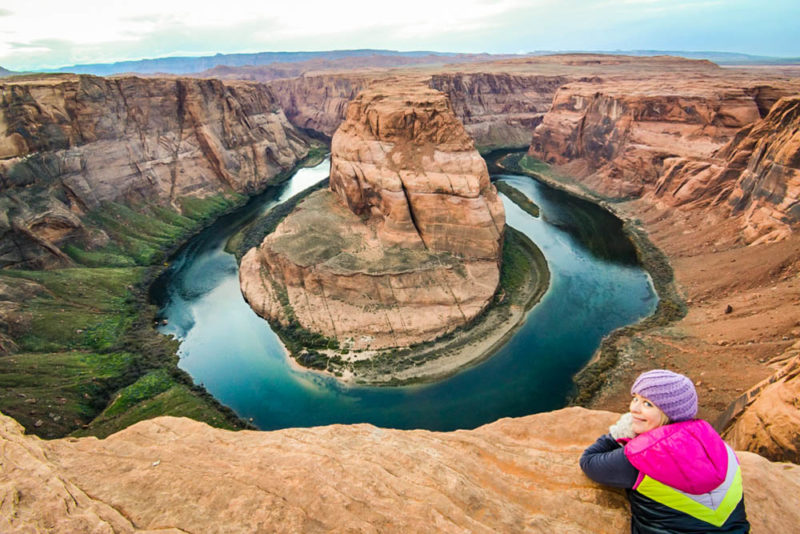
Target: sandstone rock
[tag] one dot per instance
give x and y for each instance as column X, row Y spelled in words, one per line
column 695, row 144
column 407, row 246
column 403, row 159
column 514, row 475
column 767, row 189
column 319, row 103
column 625, row 131
column 499, row 109
column 766, row 419
column 70, row 143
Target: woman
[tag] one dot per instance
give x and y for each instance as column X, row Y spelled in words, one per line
column 679, row 475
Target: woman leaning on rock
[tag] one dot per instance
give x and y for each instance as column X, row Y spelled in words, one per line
column 679, row 475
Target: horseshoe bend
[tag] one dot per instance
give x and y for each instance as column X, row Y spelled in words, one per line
column 400, row 256
column 404, row 247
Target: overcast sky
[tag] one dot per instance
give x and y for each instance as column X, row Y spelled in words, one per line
column 46, row 33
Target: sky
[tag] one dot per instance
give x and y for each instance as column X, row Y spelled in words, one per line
column 37, row 34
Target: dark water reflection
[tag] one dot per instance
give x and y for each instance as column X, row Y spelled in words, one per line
column 596, row 287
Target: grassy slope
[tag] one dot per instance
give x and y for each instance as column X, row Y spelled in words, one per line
column 86, row 332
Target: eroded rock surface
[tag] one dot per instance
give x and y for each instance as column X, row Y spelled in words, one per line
column 698, row 143
column 405, row 246
column 514, row 475
column 766, row 419
column 499, row 109
column 70, row 143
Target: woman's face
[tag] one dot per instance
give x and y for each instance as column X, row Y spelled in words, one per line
column 645, row 415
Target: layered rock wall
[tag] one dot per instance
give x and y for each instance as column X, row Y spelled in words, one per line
column 694, row 145
column 514, row 475
column 319, row 103
column 406, row 244
column 499, row 109
column 405, row 160
column 70, row 143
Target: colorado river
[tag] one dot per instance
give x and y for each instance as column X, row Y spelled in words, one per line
column 595, row 287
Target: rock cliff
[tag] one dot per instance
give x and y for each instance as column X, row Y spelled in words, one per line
column 497, row 109
column 766, row 419
column 514, row 475
column 404, row 247
column 70, row 143
column 318, row 103
column 692, row 144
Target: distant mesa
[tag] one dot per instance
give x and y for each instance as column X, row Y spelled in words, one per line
column 406, row 244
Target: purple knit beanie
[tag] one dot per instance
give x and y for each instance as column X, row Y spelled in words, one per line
column 672, row 393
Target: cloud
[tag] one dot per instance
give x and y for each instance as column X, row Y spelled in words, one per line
column 100, row 31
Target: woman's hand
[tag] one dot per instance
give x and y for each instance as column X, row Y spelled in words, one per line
column 623, row 428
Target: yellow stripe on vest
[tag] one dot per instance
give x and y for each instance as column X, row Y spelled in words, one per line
column 679, row 501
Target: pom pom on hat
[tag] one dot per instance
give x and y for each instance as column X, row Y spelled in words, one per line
column 672, row 393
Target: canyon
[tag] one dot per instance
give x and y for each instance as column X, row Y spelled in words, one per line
column 702, row 160
column 70, row 144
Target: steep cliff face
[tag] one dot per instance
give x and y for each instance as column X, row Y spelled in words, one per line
column 319, row 103
column 499, row 109
column 766, row 419
column 68, row 144
column 767, row 189
column 756, row 176
column 623, row 132
column 515, row 475
column 405, row 246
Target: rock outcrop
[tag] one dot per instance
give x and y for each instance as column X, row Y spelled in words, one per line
column 318, row 103
column 406, row 245
column 514, row 475
column 765, row 160
column 693, row 144
column 499, row 110
column 70, row 143
column 766, row 419
column 623, row 131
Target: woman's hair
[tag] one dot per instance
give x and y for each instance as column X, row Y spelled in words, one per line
column 665, row 420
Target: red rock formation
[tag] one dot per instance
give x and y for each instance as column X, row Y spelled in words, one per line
column 696, row 144
column 515, row 475
column 69, row 143
column 766, row 419
column 411, row 248
column 499, row 109
column 319, row 103
column 404, row 159
column 624, row 131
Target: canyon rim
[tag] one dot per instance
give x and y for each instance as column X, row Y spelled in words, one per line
column 104, row 177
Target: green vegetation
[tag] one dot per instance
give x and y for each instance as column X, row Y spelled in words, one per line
column 52, row 394
column 518, row 198
column 254, row 233
column 86, row 332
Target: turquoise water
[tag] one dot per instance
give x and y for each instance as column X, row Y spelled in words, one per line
column 596, row 286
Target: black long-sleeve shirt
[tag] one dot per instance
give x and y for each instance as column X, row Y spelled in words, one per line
column 605, row 462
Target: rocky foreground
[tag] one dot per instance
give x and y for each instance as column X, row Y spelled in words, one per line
column 177, row 475
column 406, row 244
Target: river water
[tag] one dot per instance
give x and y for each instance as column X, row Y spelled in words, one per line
column 596, row 287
